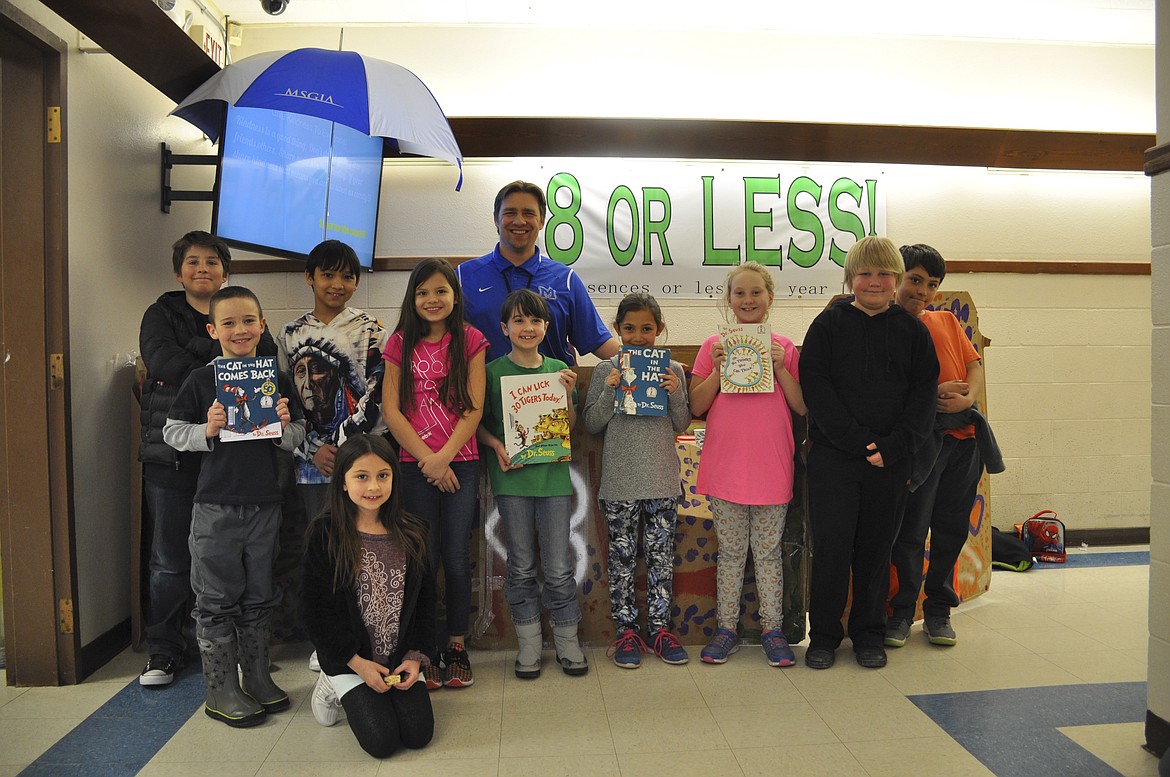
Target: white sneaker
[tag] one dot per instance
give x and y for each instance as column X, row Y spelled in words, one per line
column 325, row 703
column 314, row 664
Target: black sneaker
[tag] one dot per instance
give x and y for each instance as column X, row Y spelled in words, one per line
column 870, row 657
column 897, row 632
column 819, row 658
column 456, row 667
column 159, row 672
column 939, row 631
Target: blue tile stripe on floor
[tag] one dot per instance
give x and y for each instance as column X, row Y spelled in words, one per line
column 124, row 733
column 1124, row 558
column 1014, row 732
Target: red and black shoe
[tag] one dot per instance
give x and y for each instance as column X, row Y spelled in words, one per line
column 457, row 667
column 433, row 675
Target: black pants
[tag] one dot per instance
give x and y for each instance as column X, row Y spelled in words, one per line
column 942, row 504
column 854, row 509
column 385, row 722
column 168, row 608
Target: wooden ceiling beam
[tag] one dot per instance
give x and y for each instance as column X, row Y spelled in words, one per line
column 142, row 37
column 799, row 141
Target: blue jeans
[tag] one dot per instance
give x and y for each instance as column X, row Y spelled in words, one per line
column 528, row 520
column 449, row 518
column 168, row 603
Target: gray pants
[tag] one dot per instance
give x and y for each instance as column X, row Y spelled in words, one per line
column 232, row 550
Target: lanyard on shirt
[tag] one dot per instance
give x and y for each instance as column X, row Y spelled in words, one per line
column 509, row 285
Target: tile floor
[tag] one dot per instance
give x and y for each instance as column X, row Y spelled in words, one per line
column 1071, row 630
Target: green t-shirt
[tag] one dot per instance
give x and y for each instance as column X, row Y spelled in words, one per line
column 550, row 479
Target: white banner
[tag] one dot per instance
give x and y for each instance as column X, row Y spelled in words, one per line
column 673, row 229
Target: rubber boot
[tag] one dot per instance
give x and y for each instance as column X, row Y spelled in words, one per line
column 569, row 654
column 254, row 664
column 226, row 702
column 531, row 643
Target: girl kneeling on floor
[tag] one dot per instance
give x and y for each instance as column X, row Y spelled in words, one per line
column 369, row 603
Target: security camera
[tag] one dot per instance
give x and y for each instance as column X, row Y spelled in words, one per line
column 274, row 7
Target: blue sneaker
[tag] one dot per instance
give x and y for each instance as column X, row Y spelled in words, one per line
column 626, row 651
column 668, row 648
column 722, row 644
column 776, row 649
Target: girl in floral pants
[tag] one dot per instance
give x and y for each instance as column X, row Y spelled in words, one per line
column 639, row 485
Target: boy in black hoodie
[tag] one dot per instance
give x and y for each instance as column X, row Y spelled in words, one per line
column 870, row 378
column 174, row 342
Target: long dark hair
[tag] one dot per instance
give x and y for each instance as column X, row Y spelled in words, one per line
column 339, row 517
column 454, row 393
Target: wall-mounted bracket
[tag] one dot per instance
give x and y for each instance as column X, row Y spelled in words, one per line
column 169, row 195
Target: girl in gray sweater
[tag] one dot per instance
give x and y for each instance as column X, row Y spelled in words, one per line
column 639, row 484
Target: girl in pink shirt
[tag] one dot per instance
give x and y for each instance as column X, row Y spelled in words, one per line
column 432, row 400
column 746, row 469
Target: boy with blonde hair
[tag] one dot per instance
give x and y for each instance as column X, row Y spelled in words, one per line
column 870, row 377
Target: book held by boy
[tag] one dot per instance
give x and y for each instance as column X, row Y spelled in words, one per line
column 747, row 360
column 536, row 418
column 246, row 387
column 639, row 390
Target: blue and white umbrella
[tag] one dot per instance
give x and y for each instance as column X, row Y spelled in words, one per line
column 370, row 95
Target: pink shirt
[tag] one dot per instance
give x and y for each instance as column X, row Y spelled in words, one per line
column 431, row 419
column 748, row 449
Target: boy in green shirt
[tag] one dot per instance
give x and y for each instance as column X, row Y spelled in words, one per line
column 534, row 500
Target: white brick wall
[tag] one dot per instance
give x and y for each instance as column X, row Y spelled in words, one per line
column 1073, row 420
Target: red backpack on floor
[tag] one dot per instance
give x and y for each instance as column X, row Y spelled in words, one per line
column 1043, row 533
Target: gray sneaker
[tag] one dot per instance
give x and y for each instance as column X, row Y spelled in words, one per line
column 938, row 630
column 897, row 632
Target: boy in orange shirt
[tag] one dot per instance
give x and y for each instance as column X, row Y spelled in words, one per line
column 942, row 501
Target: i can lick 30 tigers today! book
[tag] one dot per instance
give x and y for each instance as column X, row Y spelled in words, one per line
column 639, row 391
column 247, row 390
column 536, row 418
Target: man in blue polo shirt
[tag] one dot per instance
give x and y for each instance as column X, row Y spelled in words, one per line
column 516, row 263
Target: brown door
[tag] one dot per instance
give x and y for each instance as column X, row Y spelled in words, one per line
column 36, row 547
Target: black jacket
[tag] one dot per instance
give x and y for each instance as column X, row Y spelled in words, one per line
column 173, row 341
column 869, row 379
column 925, row 457
column 335, row 623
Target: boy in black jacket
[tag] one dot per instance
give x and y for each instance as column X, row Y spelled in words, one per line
column 173, row 341
column 870, row 376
